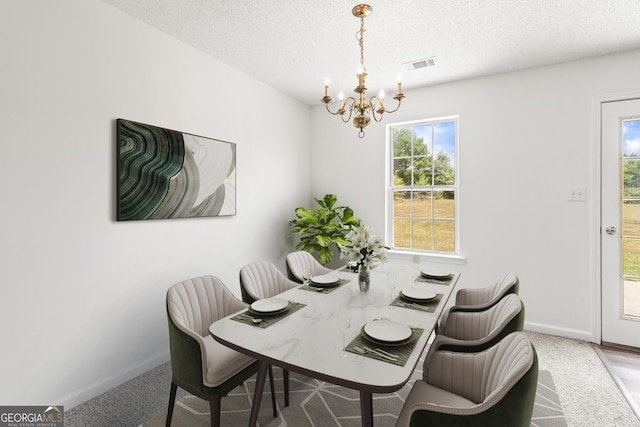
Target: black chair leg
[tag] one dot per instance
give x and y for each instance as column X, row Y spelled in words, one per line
column 172, row 401
column 285, row 379
column 214, row 408
column 273, row 392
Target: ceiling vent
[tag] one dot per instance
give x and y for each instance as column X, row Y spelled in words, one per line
column 420, row 64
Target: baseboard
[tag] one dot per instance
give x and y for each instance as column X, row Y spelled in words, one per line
column 80, row 396
column 560, row 332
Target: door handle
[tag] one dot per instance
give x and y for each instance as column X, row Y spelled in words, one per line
column 611, row 231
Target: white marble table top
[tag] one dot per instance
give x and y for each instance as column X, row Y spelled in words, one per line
column 310, row 340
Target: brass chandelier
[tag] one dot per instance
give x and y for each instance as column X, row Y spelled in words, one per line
column 362, row 108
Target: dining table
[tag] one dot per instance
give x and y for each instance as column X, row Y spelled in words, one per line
column 330, row 330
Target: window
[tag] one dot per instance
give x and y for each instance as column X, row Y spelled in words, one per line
column 422, row 186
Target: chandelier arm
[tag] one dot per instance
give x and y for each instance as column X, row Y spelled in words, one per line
column 344, row 116
column 340, row 111
column 399, row 99
column 376, row 117
column 335, row 113
column 380, row 109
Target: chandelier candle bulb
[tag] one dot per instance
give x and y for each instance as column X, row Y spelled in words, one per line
column 381, row 94
column 399, row 87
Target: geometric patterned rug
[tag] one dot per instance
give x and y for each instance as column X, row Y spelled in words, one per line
column 321, row 404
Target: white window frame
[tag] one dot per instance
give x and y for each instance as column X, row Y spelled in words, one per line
column 389, row 190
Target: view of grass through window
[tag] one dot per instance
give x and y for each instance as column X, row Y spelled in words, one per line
column 631, row 200
column 423, row 186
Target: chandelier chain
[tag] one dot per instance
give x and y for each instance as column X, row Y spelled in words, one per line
column 361, row 42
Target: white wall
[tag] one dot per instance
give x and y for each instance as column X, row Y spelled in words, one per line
column 82, row 295
column 525, row 138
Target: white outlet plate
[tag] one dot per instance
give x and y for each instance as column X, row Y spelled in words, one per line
column 577, row 194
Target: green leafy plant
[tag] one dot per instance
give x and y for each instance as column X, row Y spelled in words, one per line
column 320, row 228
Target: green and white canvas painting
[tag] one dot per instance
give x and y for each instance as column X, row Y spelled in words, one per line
column 164, row 173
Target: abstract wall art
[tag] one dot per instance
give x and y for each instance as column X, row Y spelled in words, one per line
column 164, row 173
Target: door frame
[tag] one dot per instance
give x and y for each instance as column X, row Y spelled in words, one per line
column 596, row 184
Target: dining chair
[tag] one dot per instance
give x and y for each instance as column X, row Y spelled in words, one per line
column 260, row 280
column 493, row 387
column 199, row 364
column 297, row 261
column 478, row 299
column 483, row 298
column 481, row 329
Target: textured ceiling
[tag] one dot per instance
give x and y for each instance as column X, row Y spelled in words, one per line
column 294, row 45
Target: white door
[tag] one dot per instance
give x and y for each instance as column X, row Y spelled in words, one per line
column 620, row 227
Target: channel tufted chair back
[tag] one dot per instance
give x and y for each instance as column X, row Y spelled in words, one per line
column 475, row 325
column 261, row 280
column 195, row 304
column 494, row 387
column 483, row 298
column 199, row 364
column 299, row 260
column 480, row 329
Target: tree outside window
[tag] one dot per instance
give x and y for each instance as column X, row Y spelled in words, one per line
column 422, row 186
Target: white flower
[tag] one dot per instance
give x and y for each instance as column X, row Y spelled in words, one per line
column 365, row 248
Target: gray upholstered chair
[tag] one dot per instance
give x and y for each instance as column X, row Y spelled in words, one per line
column 481, row 329
column 299, row 260
column 261, row 280
column 478, row 299
column 199, row 364
column 483, row 298
column 494, row 387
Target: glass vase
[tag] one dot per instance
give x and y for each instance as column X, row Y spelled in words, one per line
column 364, row 278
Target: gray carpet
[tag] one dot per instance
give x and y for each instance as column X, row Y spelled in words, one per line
column 320, row 404
column 590, row 398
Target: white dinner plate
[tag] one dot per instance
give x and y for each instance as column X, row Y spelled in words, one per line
column 419, row 294
column 269, row 305
column 326, row 279
column 387, row 331
column 436, row 273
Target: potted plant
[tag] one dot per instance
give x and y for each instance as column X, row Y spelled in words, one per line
column 322, row 227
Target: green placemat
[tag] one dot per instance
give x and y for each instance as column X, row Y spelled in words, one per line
column 323, row 289
column 435, row 281
column 247, row 317
column 428, row 306
column 402, row 352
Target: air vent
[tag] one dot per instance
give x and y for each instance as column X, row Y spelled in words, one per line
column 420, row 64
